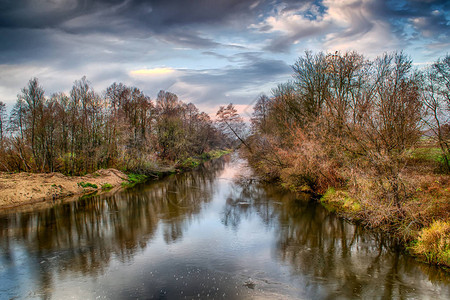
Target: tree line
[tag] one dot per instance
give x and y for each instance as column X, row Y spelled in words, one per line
column 85, row 131
column 356, row 124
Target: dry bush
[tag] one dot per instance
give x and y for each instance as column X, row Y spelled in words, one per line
column 434, row 243
column 426, row 201
column 264, row 157
column 303, row 164
column 430, row 200
column 308, row 165
column 376, row 213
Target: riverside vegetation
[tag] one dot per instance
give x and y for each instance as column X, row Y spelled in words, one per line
column 372, row 137
column 121, row 128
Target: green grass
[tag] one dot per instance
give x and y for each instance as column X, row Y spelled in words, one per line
column 428, row 154
column 339, row 200
column 87, row 184
column 219, row 153
column 107, row 186
column 194, row 162
column 190, row 163
column 433, row 155
column 134, row 179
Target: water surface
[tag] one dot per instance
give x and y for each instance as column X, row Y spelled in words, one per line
column 211, row 233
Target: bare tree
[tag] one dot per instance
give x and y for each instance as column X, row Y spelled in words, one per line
column 2, row 120
column 33, row 95
column 260, row 115
column 84, row 131
column 231, row 123
column 436, row 98
column 311, row 82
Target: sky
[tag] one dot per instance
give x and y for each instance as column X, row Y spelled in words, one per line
column 208, row 52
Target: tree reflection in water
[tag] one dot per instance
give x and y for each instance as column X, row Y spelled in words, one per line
column 216, row 233
column 82, row 236
column 338, row 259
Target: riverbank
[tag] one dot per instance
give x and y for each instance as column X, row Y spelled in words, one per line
column 419, row 218
column 18, row 189
column 421, row 223
column 27, row 188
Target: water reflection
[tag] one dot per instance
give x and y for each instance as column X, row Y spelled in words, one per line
column 338, row 259
column 202, row 234
column 248, row 197
column 83, row 236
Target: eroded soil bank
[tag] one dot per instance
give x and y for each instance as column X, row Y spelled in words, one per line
column 18, row 189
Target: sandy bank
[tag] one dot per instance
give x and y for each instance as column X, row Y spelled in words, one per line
column 25, row 188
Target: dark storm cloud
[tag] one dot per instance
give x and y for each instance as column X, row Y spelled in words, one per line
column 171, row 20
column 156, row 14
column 138, row 19
column 181, row 22
column 15, row 45
column 51, row 14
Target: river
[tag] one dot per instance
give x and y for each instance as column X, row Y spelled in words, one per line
column 215, row 232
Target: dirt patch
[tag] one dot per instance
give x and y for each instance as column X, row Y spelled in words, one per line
column 24, row 188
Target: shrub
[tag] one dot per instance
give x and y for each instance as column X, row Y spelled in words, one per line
column 309, row 165
column 434, row 243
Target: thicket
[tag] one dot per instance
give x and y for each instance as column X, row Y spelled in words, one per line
column 85, row 131
column 362, row 132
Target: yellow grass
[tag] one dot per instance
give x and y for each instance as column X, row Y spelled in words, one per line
column 433, row 243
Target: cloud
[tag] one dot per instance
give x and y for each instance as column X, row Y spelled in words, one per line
column 240, row 84
column 133, row 19
column 170, row 20
column 369, row 26
column 174, row 21
column 13, row 77
column 359, row 28
column 209, row 88
column 290, row 25
column 340, row 25
column 209, row 52
column 189, row 39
